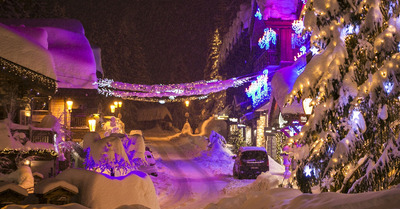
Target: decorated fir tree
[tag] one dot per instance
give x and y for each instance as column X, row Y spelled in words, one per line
column 351, row 142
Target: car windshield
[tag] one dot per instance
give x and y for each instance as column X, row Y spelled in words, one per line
column 256, row 155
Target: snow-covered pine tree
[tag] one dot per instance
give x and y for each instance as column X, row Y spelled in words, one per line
column 351, row 142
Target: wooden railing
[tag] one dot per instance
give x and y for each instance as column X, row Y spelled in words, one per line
column 34, row 134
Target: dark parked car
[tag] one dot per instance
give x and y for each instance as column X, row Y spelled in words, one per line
column 250, row 162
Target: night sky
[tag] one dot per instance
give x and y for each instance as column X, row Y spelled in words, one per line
column 169, row 38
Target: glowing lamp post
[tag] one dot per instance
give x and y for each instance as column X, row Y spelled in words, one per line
column 27, row 115
column 307, row 107
column 112, row 108
column 187, row 102
column 92, row 125
column 69, row 108
column 69, row 104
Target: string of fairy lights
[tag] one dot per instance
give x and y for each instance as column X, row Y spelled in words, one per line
column 13, row 69
column 163, row 93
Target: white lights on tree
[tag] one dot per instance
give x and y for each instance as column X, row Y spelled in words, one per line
column 388, row 86
column 314, row 50
column 358, row 122
column 307, row 171
column 269, row 36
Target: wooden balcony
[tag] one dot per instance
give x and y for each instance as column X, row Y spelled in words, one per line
column 34, row 134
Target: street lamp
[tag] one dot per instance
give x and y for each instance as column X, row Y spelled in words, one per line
column 307, row 107
column 112, row 108
column 69, row 108
column 92, row 124
column 187, row 102
column 69, row 104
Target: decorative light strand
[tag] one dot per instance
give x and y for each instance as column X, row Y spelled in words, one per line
column 13, row 69
column 125, row 90
column 298, row 26
column 258, row 14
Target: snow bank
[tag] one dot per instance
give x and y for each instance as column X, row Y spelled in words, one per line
column 98, row 191
column 272, row 199
column 256, row 198
column 43, row 206
column 217, row 159
column 6, row 139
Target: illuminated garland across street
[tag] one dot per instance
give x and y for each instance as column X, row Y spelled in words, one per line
column 167, row 93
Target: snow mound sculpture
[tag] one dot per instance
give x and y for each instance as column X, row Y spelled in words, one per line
column 105, row 192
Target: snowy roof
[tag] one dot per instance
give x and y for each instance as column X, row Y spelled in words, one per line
column 153, row 113
column 47, row 185
column 279, row 9
column 282, row 83
column 74, row 61
column 28, row 48
column 245, row 149
column 4, row 186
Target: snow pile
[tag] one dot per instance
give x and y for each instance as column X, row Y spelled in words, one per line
column 8, row 141
column 264, row 181
column 45, row 206
column 273, row 198
column 217, row 159
column 50, row 184
column 10, row 186
column 256, row 197
column 98, row 191
column 22, row 177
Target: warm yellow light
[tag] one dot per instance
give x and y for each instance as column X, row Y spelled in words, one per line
column 187, row 103
column 307, row 107
column 69, row 104
column 116, row 104
column 27, row 112
column 92, row 125
column 119, row 104
column 112, row 108
column 27, row 162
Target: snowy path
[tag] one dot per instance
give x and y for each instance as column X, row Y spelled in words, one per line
column 193, row 186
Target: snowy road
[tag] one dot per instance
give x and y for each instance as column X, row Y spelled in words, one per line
column 192, row 186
